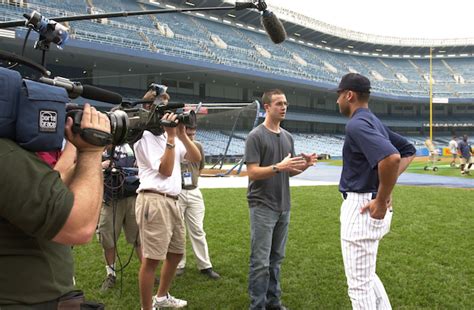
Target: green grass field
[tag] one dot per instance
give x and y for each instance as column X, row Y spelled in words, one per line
column 443, row 166
column 425, row 262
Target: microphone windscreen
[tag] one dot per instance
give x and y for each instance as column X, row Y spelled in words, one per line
column 244, row 5
column 174, row 105
column 274, row 27
column 99, row 94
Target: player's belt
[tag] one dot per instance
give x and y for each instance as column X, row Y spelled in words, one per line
column 159, row 193
column 344, row 195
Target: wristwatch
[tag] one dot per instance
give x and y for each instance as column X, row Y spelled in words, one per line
column 170, row 145
column 275, row 169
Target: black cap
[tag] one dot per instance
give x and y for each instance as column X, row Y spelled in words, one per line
column 355, row 82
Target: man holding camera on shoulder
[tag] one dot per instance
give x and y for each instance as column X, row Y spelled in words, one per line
column 159, row 218
column 41, row 217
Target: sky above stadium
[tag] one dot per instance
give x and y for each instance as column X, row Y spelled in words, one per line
column 400, row 18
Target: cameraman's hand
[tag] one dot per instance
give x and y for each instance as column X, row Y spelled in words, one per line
column 91, row 118
column 149, row 95
column 170, row 131
column 182, row 132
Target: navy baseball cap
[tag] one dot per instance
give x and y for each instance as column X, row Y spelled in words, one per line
column 355, row 82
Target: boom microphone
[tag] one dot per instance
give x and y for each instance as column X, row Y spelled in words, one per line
column 100, row 94
column 245, row 5
column 273, row 26
column 75, row 89
column 174, row 105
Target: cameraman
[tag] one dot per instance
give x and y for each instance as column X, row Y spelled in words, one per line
column 41, row 217
column 118, row 209
column 159, row 218
column 192, row 206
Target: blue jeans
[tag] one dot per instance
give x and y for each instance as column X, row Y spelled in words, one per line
column 268, row 234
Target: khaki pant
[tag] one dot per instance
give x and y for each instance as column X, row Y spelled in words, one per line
column 193, row 209
column 124, row 210
column 161, row 225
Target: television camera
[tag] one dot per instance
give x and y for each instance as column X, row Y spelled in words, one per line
column 33, row 114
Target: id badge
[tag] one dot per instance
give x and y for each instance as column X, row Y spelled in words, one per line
column 187, row 178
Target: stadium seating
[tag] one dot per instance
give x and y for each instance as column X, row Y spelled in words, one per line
column 192, row 40
column 216, row 142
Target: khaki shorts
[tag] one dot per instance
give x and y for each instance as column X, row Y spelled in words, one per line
column 467, row 161
column 124, row 217
column 161, row 226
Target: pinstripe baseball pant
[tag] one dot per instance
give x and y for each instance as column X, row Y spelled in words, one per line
column 360, row 236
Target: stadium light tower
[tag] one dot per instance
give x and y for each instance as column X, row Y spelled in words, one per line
column 431, row 93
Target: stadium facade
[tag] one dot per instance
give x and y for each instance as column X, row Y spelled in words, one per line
column 225, row 56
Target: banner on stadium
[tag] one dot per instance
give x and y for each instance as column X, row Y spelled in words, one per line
column 440, row 100
column 447, row 151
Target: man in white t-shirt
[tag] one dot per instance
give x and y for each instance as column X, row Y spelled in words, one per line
column 159, row 218
column 453, row 148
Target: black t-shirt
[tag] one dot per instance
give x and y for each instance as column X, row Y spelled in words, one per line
column 34, row 206
column 267, row 148
column 367, row 142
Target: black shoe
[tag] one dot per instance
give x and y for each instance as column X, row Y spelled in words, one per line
column 180, row 272
column 277, row 307
column 210, row 273
column 108, row 283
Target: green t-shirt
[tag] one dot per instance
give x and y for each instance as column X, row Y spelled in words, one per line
column 194, row 168
column 34, row 206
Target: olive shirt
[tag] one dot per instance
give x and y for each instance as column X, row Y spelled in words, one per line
column 34, row 206
column 194, row 168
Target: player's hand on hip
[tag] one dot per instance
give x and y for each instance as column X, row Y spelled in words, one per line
column 376, row 209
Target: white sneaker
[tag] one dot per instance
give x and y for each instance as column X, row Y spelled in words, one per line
column 169, row 302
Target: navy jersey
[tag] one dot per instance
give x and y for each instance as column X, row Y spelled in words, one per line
column 368, row 142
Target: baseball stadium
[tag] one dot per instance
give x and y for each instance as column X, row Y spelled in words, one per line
column 218, row 63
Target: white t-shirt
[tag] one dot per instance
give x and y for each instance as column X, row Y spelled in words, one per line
column 453, row 147
column 148, row 152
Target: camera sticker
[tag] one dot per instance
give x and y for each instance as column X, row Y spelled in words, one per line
column 48, row 121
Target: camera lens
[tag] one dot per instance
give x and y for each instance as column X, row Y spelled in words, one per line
column 188, row 118
column 119, row 125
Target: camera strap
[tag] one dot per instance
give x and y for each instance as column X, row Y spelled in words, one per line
column 96, row 137
column 90, row 135
column 167, row 123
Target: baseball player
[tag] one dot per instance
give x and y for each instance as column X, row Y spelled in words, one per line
column 466, row 153
column 373, row 158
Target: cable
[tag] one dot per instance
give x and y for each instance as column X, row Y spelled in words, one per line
column 114, row 179
column 43, row 57
column 23, row 48
column 25, row 61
